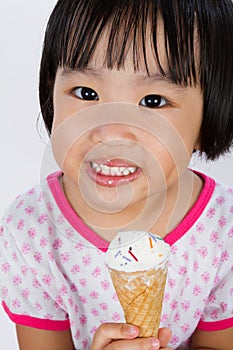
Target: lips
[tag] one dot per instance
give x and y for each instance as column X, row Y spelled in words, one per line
column 112, row 172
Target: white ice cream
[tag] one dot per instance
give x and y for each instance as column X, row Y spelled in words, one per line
column 133, row 251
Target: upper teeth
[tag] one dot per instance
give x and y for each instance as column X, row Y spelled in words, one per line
column 112, row 171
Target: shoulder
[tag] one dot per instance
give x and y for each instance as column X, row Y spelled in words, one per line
column 222, row 204
column 218, row 196
column 215, row 226
column 32, row 205
column 28, row 215
column 218, row 214
column 24, row 208
column 224, row 193
column 215, row 186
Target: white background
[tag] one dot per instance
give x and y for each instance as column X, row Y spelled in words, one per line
column 22, row 25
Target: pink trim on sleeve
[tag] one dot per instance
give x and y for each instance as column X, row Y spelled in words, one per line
column 216, row 325
column 45, row 324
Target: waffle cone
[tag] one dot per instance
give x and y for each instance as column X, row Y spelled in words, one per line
column 141, row 296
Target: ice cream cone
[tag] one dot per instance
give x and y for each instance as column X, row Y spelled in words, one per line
column 141, row 291
column 141, row 297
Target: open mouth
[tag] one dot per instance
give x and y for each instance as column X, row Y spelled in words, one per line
column 104, row 169
column 110, row 174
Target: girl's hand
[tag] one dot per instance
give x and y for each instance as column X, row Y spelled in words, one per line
column 120, row 336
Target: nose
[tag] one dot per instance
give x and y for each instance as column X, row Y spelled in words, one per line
column 111, row 132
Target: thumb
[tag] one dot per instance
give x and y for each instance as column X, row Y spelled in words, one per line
column 164, row 336
column 108, row 332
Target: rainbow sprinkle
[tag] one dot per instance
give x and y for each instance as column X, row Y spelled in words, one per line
column 124, row 257
column 151, row 242
column 118, row 253
column 130, row 252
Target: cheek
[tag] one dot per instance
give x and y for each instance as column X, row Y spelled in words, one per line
column 69, row 149
column 187, row 132
column 64, row 106
column 166, row 158
column 165, row 146
column 62, row 112
column 193, row 115
column 73, row 165
column 191, row 137
column 75, row 154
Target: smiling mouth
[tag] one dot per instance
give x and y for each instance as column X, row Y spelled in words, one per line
column 112, row 173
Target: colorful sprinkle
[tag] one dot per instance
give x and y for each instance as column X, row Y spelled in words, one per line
column 153, row 237
column 130, row 252
column 151, row 243
column 116, row 255
column 124, row 257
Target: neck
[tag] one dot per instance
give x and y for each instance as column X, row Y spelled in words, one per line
column 160, row 213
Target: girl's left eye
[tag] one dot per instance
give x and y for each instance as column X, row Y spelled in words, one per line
column 153, row 101
column 85, row 93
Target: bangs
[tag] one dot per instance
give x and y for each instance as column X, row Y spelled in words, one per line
column 126, row 24
column 196, row 48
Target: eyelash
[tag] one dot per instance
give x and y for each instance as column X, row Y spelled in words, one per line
column 151, row 99
column 86, row 90
column 89, row 94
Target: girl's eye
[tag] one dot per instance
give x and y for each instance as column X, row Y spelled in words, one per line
column 85, row 93
column 153, row 101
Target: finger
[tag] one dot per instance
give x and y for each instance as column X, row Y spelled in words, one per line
column 110, row 331
column 135, row 344
column 164, row 336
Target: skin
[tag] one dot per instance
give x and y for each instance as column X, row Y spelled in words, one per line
column 176, row 105
column 108, row 337
column 31, row 338
column 176, row 112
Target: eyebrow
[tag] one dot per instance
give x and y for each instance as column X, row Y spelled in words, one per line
column 164, row 79
column 67, row 74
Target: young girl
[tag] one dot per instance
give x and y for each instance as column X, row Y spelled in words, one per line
column 158, row 78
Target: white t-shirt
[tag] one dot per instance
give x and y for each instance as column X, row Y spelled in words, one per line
column 53, row 275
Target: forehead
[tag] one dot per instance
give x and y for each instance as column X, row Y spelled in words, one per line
column 138, row 55
column 145, row 42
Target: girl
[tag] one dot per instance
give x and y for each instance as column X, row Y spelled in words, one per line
column 158, row 78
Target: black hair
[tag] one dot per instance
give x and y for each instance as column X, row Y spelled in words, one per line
column 76, row 26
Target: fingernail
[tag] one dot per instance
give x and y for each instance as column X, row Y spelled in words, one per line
column 155, row 344
column 132, row 331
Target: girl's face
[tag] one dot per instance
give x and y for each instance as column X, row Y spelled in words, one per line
column 98, row 160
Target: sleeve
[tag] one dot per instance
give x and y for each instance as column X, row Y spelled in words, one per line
column 218, row 313
column 25, row 298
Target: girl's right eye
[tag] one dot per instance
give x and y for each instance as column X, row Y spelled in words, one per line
column 85, row 93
